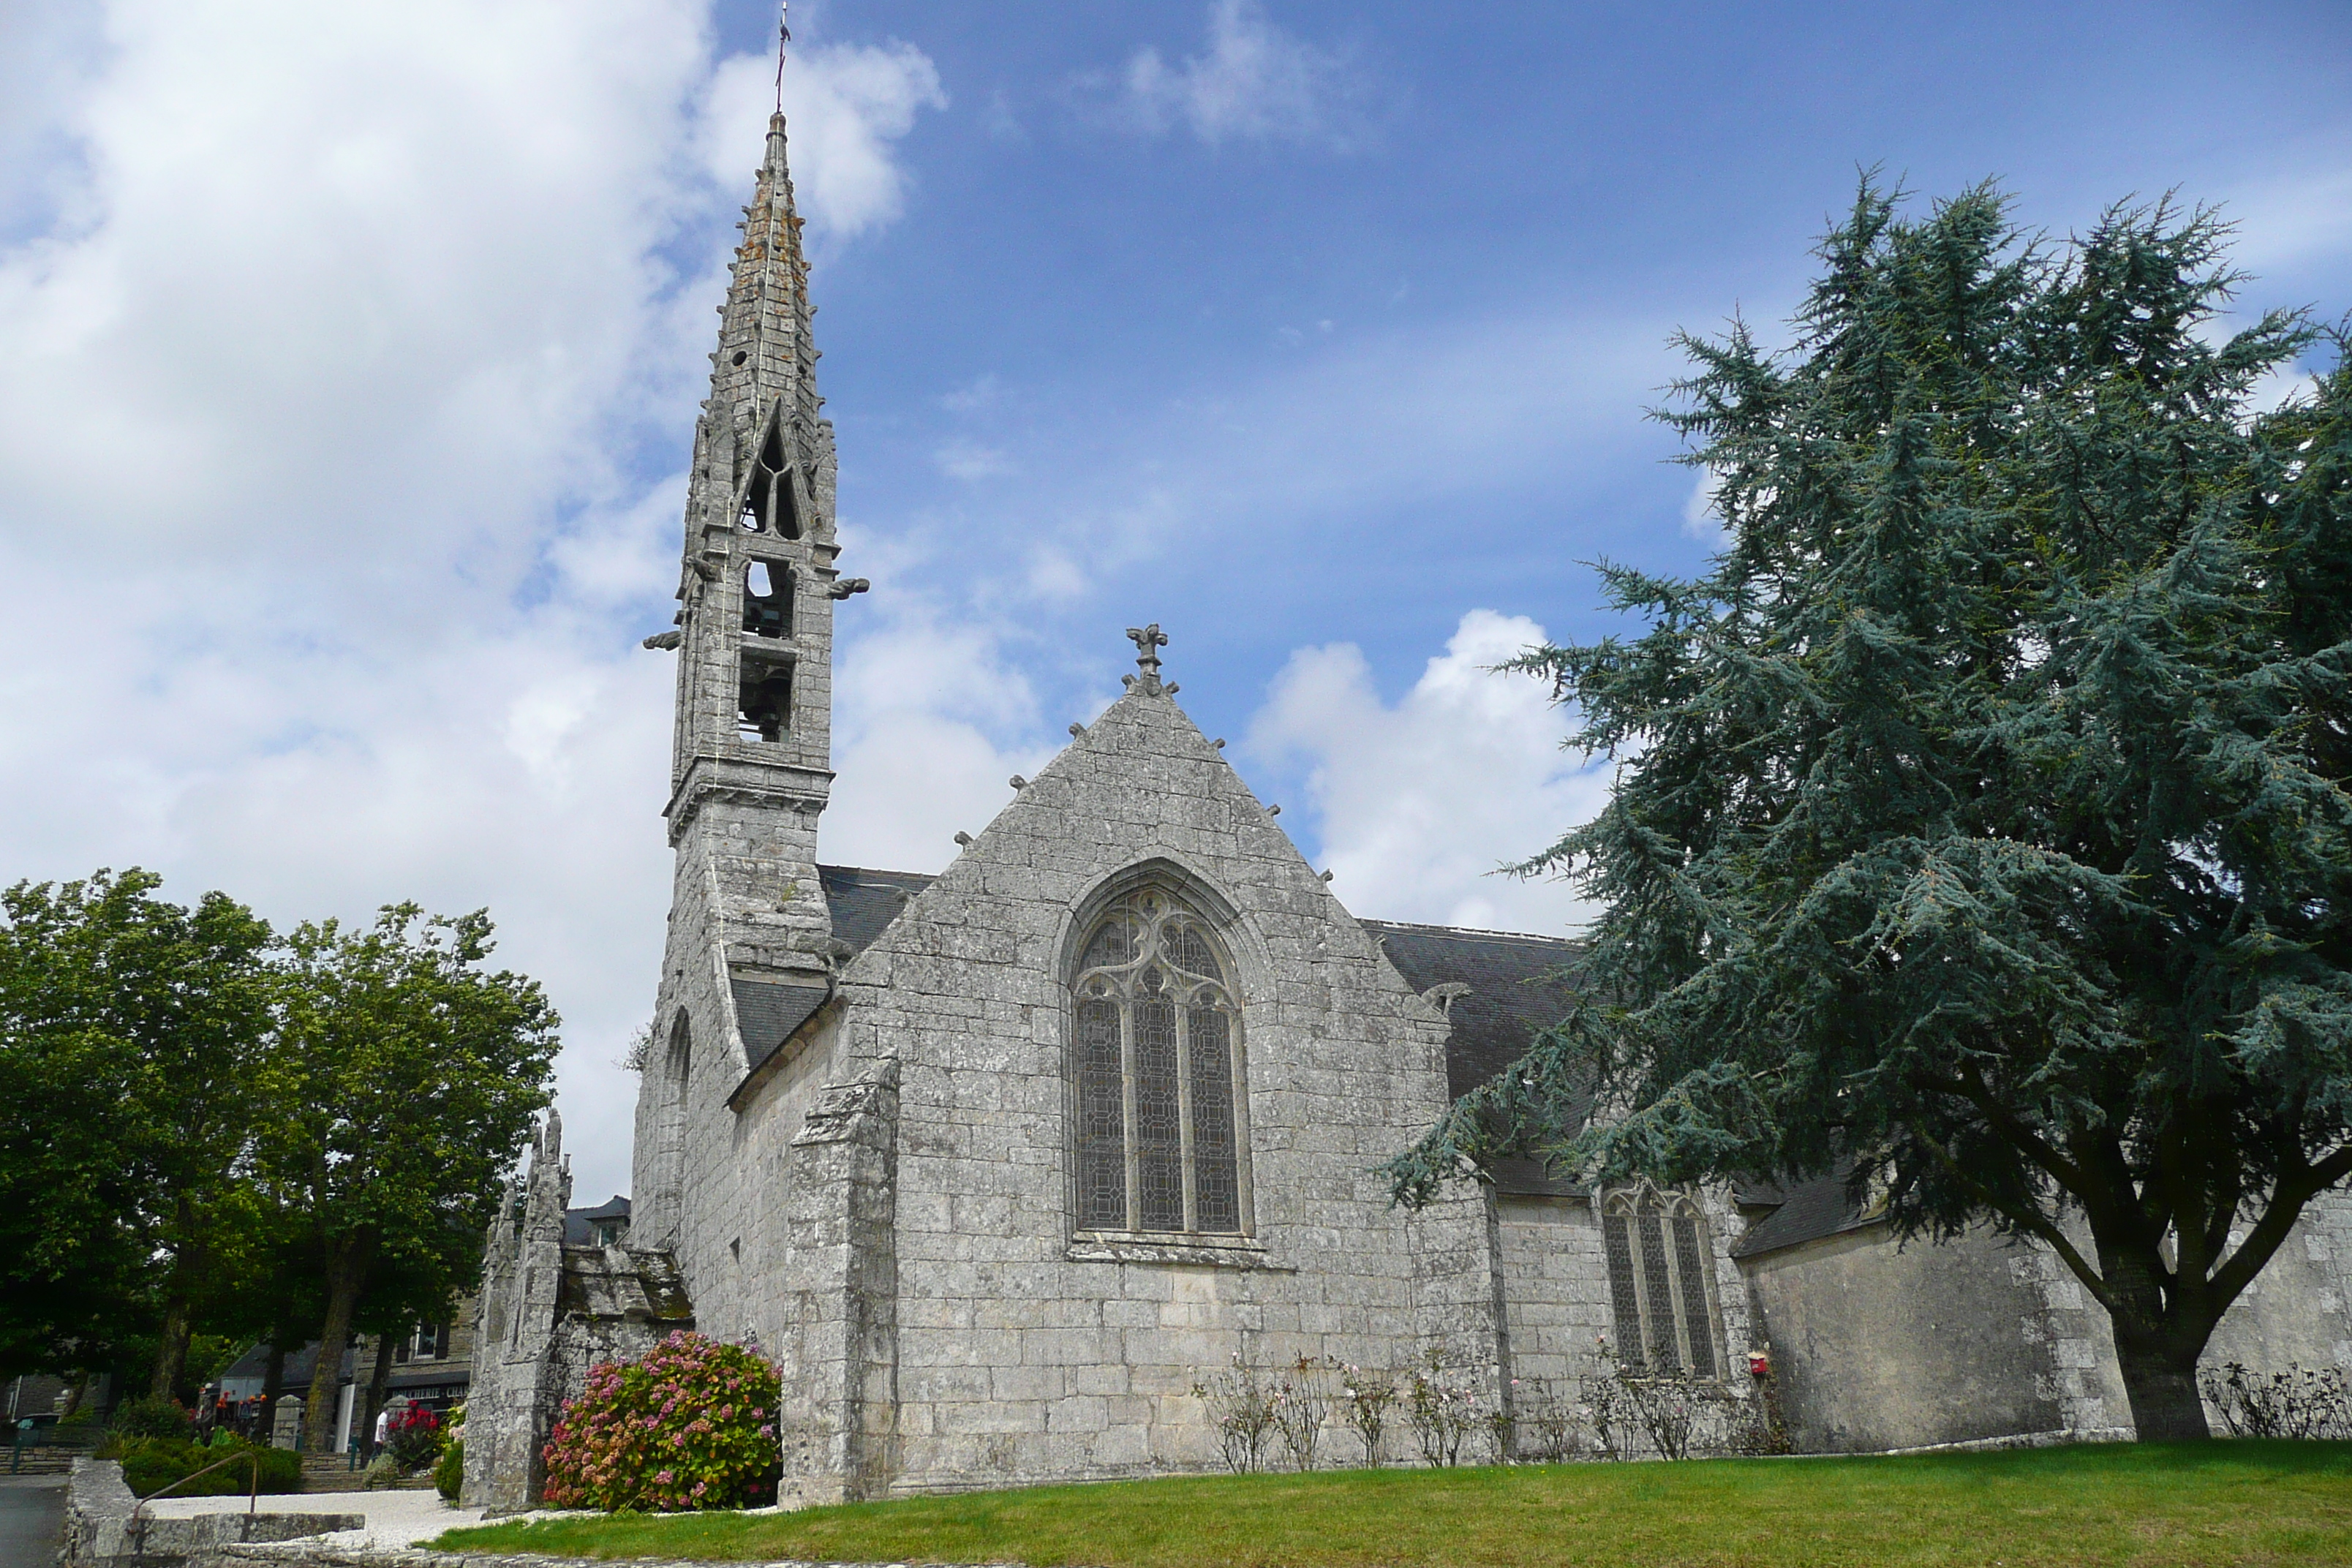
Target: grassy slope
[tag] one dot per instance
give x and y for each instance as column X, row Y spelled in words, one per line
column 2211, row 1503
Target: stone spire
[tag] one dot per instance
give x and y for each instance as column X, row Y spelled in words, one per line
column 758, row 587
column 766, row 359
column 751, row 745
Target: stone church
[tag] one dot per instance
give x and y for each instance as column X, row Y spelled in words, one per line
column 998, row 1164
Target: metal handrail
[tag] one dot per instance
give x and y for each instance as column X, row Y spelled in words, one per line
column 138, row 1511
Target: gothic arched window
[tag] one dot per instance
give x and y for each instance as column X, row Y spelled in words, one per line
column 1658, row 1257
column 663, row 1205
column 1156, row 1059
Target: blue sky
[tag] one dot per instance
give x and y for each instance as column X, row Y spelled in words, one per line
column 1569, row 182
column 348, row 359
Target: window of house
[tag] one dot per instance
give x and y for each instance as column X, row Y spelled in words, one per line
column 427, row 1341
column 1157, row 1060
column 1658, row 1253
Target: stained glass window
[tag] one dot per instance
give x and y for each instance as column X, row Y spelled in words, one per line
column 1155, row 1053
column 1159, row 1113
column 1698, row 1333
column 1217, row 1195
column 1616, row 1230
column 1102, row 1116
column 1657, row 1255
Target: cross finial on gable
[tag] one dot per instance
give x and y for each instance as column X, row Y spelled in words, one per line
column 1147, row 640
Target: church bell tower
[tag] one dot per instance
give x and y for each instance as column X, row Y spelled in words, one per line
column 749, row 942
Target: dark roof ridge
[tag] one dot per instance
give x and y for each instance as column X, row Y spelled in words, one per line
column 1475, row 933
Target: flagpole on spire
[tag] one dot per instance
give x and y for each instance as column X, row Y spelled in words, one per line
column 783, row 36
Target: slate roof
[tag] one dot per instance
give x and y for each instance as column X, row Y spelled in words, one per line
column 1519, row 985
column 255, row 1364
column 862, row 902
column 1807, row 1211
column 578, row 1224
column 768, row 1013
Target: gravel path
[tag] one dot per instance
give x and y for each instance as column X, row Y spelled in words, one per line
column 394, row 1517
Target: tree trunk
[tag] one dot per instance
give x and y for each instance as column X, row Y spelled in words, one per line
column 2164, row 1403
column 347, row 1270
column 2155, row 1348
column 172, row 1352
column 273, row 1377
column 377, row 1384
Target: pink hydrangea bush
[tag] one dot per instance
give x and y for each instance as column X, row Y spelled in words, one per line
column 693, row 1425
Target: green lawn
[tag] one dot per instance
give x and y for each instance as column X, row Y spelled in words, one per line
column 2207, row 1503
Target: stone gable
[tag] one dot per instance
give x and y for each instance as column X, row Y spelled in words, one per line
column 1024, row 1349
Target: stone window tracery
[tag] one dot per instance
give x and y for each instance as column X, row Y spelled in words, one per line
column 1156, row 1035
column 1657, row 1250
column 769, row 498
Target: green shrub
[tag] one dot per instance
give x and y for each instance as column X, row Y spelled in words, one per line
column 693, row 1425
column 150, row 1415
column 449, row 1471
column 151, row 1464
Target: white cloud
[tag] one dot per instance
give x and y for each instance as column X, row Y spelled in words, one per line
column 980, row 396
column 1256, row 82
column 918, row 699
column 1053, row 575
column 845, row 105
column 320, row 382
column 969, row 460
column 2286, row 223
column 1700, row 520
column 1419, row 802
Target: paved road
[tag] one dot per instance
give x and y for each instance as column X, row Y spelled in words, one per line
column 31, row 1510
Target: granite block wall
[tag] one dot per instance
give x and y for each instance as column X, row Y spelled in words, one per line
column 1027, row 1348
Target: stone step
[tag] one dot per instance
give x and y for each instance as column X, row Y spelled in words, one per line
column 333, row 1473
column 46, row 1461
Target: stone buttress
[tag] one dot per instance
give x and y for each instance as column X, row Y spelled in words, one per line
column 546, row 1314
column 513, row 1401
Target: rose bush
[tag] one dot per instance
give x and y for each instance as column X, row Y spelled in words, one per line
column 693, row 1425
column 413, row 1437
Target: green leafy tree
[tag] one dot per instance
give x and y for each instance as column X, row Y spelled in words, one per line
column 411, row 1075
column 1981, row 817
column 134, row 1036
column 404, row 1291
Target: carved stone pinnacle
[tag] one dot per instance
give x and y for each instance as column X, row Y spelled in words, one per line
column 1147, row 640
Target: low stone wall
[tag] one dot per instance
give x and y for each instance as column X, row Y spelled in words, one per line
column 321, row 1554
column 104, row 1530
